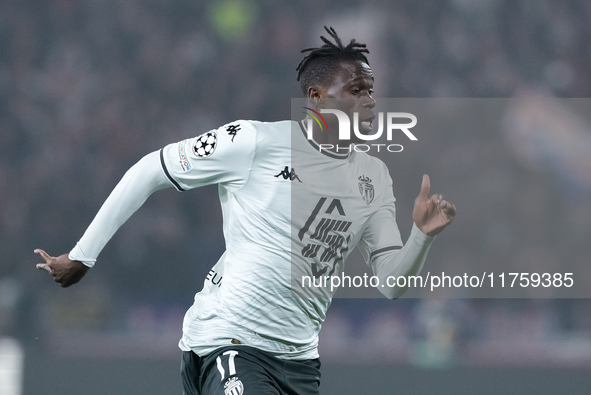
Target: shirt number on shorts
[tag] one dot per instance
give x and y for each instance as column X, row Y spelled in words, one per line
column 231, row 366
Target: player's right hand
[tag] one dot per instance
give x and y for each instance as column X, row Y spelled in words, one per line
column 63, row 270
column 432, row 214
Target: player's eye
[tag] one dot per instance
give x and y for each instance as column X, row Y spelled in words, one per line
column 355, row 91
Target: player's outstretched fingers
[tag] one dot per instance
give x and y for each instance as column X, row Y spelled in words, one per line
column 44, row 266
column 425, row 187
column 43, row 254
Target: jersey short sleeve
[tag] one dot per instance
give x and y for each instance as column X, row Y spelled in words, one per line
column 219, row 156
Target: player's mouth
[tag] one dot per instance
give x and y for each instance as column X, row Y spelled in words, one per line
column 366, row 124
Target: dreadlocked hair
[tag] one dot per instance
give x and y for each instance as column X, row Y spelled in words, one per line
column 319, row 65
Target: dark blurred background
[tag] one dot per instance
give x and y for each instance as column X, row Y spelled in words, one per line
column 87, row 87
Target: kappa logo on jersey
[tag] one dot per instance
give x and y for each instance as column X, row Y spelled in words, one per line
column 232, row 129
column 233, row 386
column 205, row 144
column 185, row 164
column 288, row 175
column 366, row 189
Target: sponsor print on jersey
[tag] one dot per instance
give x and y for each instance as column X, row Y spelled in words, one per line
column 233, row 386
column 366, row 189
column 214, row 277
column 184, row 160
column 205, row 144
column 329, row 237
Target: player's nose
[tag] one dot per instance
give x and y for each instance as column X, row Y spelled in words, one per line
column 368, row 102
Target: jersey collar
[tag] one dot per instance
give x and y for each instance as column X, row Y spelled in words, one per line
column 317, row 148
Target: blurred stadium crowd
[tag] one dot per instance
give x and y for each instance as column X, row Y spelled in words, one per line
column 88, row 87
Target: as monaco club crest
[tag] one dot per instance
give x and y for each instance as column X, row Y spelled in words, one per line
column 366, row 189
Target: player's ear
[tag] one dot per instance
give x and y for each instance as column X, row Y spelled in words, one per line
column 315, row 96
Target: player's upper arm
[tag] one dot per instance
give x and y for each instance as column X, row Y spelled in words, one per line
column 381, row 234
column 220, row 156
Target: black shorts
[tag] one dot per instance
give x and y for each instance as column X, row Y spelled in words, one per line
column 238, row 370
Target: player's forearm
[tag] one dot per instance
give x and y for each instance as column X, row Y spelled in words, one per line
column 408, row 261
column 140, row 181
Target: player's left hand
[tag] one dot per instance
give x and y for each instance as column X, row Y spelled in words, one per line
column 63, row 270
column 432, row 214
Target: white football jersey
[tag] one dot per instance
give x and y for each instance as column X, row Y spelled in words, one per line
column 289, row 211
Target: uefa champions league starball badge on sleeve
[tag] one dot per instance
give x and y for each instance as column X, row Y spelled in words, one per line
column 205, row 144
